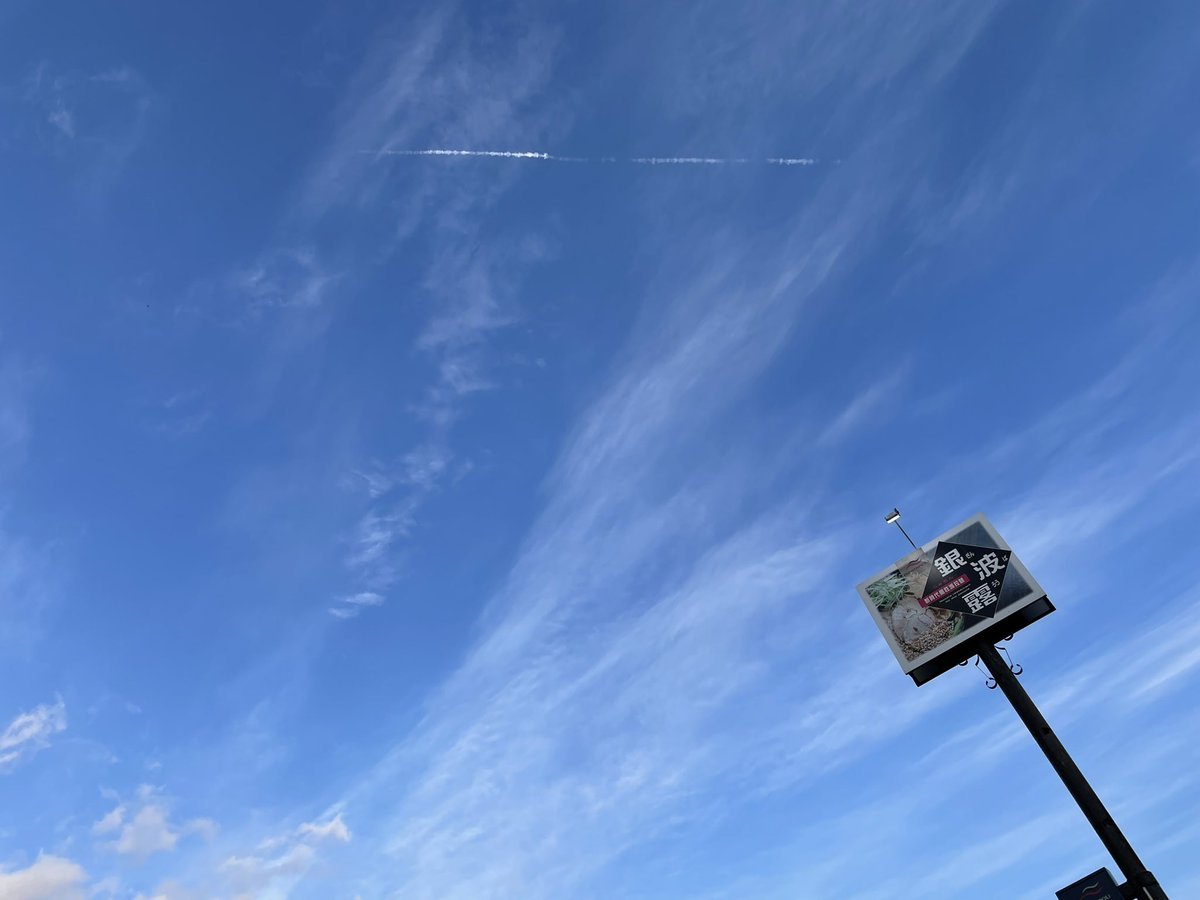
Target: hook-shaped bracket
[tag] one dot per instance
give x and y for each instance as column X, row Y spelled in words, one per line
column 989, row 682
column 1015, row 668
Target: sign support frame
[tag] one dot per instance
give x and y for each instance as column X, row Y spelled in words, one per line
column 1140, row 883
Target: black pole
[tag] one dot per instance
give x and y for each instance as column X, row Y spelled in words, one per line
column 1144, row 884
column 906, row 535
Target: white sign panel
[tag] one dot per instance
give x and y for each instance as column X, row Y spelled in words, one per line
column 935, row 603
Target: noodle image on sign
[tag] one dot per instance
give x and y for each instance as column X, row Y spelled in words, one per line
column 931, row 604
column 897, row 598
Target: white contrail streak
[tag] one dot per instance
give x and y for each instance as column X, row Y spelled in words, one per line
column 504, row 154
column 633, row 160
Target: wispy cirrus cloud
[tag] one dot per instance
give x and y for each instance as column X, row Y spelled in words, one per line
column 351, row 605
column 616, row 688
column 264, row 875
column 251, row 876
column 609, row 693
column 283, row 291
column 395, row 496
column 31, row 732
column 16, row 382
column 273, row 868
column 425, row 73
column 862, row 409
column 179, row 415
column 429, row 77
column 283, row 279
column 333, row 829
column 27, row 578
column 95, row 121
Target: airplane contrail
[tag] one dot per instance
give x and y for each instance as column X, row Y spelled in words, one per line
column 634, row 160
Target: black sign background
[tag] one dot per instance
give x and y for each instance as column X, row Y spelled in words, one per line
column 1097, row 886
column 955, row 599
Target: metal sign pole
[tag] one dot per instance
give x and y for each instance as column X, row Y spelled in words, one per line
column 1141, row 885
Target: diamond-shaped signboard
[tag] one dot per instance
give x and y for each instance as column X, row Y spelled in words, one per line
column 965, row 579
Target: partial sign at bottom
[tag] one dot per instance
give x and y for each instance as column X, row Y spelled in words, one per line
column 1097, row 886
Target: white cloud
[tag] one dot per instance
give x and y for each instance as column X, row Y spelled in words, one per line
column 377, row 532
column 387, row 522
column 1141, row 667
column 350, row 606
column 607, row 689
column 31, row 731
column 415, row 75
column 378, row 482
column 49, row 878
column 252, row 876
column 426, row 465
column 60, row 117
column 146, row 833
column 628, row 673
column 860, row 410
column 283, row 860
column 95, row 121
column 149, row 830
column 419, row 76
column 111, row 822
column 425, row 77
column 396, row 494
column 284, row 279
column 333, row 830
column 1080, row 499
column 182, row 414
column 604, row 717
column 205, row 828
column 476, row 293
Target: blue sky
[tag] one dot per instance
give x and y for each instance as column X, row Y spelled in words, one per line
column 453, row 527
